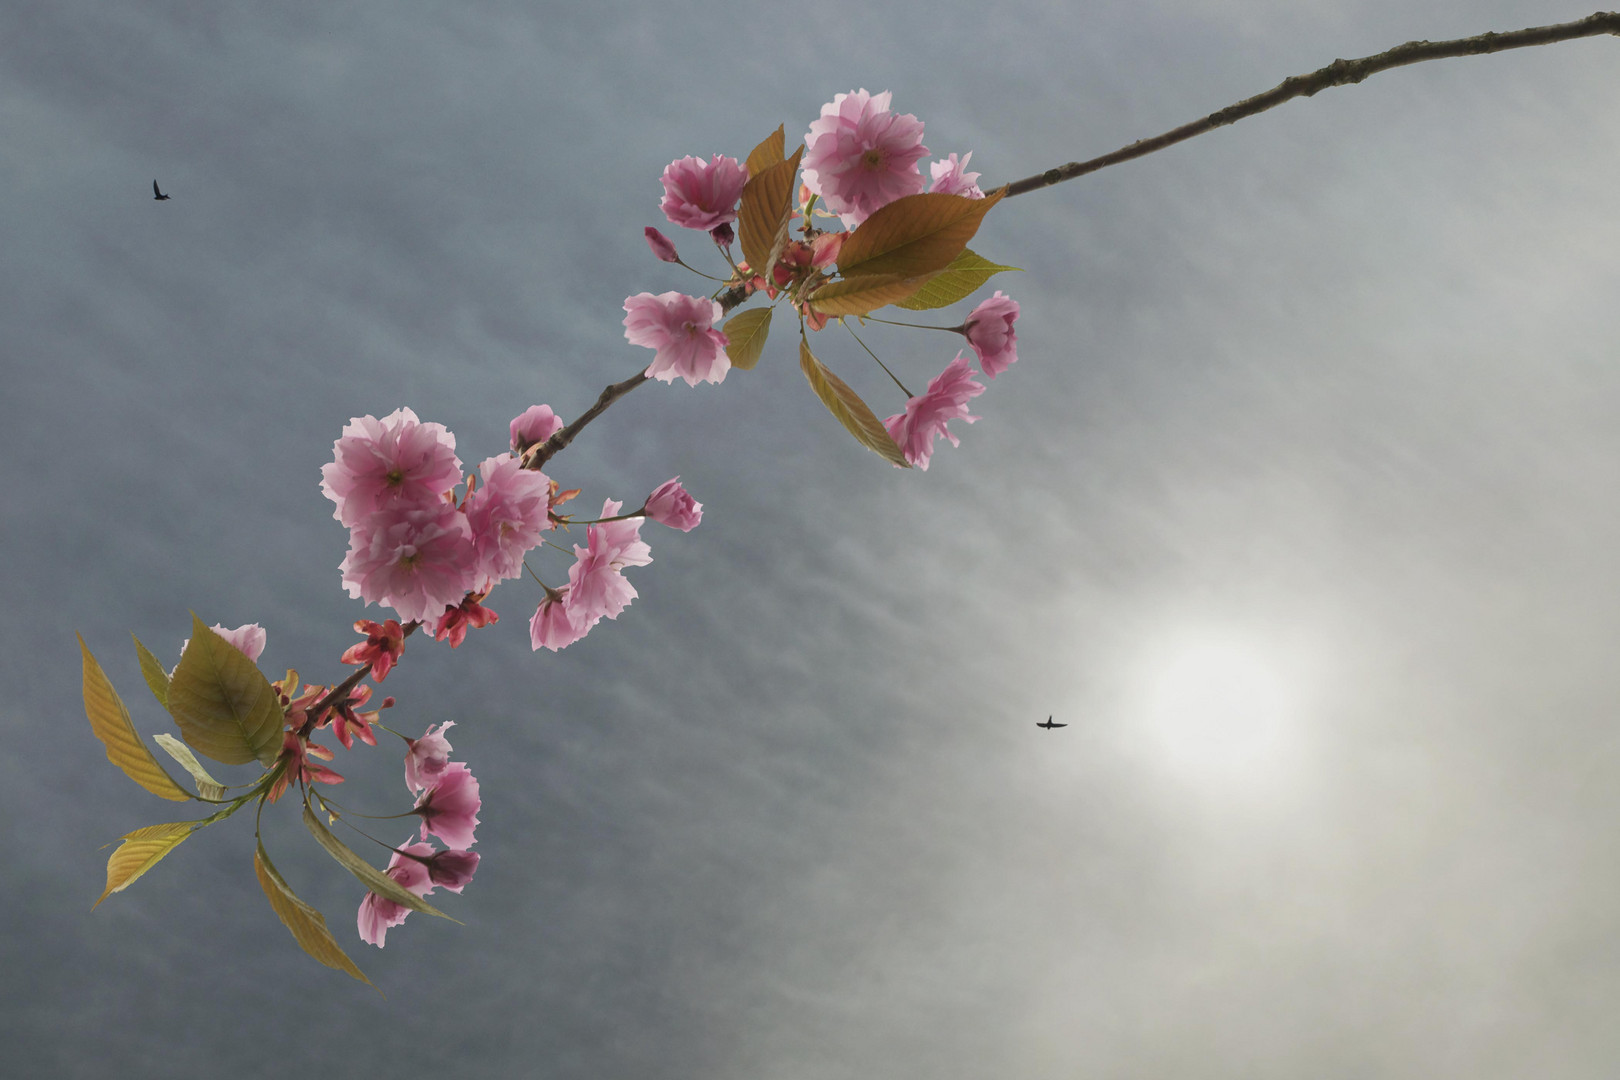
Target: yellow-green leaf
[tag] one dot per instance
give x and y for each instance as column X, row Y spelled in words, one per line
column 139, row 852
column 308, row 926
column 915, row 234
column 207, row 786
column 110, row 721
column 956, row 282
column 767, row 153
column 153, row 671
column 372, row 878
column 745, row 336
column 766, row 210
column 864, row 293
column 850, row 410
column 226, row 708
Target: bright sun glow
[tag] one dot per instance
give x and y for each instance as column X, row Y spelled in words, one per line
column 1218, row 707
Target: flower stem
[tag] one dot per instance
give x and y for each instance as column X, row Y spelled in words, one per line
column 874, row 356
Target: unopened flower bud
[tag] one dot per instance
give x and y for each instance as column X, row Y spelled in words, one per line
column 661, row 245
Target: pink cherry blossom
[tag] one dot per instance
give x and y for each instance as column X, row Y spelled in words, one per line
column 378, row 913
column 380, row 464
column 384, row 644
column 989, row 329
column 416, row 560
column 681, row 330
column 952, row 178
column 596, row 588
column 620, row 541
column 537, row 424
column 427, row 757
column 449, row 809
column 554, row 627
column 507, row 514
column 699, row 195
column 925, row 417
column 669, row 504
column 860, row 157
column 661, row 245
column 456, row 621
column 452, row 869
column 248, row 640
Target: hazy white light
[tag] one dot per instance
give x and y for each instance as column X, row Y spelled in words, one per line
column 1217, row 707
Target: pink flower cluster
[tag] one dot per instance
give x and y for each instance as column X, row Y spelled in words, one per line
column 411, row 546
column 596, row 587
column 448, row 804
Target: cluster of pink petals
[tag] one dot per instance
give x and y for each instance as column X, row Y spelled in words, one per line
column 951, row 178
column 926, row 416
column 669, row 504
column 417, row 559
column 702, row 195
column 296, row 752
column 681, row 331
column 449, row 808
column 384, row 644
column 507, row 514
column 989, row 329
column 348, row 722
column 860, row 157
column 467, row 615
column 426, row 758
column 397, row 460
column 552, row 627
column 537, row 424
column 419, row 869
column 597, row 587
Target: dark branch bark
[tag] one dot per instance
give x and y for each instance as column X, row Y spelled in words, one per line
column 1338, row 73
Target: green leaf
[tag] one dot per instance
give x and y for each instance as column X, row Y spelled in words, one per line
column 850, row 410
column 141, row 851
column 153, row 671
column 372, row 878
column 745, row 336
column 207, row 786
column 226, row 708
column 864, row 293
column 956, row 282
column 766, row 210
column 308, row 926
column 767, row 153
column 915, row 234
column 110, row 721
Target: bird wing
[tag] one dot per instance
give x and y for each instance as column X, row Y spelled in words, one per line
column 155, row 190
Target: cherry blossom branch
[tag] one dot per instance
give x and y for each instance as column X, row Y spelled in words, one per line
column 1338, row 73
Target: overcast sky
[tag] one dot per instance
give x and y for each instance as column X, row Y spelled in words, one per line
column 1298, row 507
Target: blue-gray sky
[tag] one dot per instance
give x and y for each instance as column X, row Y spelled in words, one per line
column 1298, row 507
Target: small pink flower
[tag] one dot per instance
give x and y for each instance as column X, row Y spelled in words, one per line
column 427, row 757
column 702, row 196
column 620, row 541
column 384, row 644
column 537, row 424
column 925, row 417
column 378, row 913
column 554, row 627
column 467, row 615
column 669, row 504
column 681, row 330
column 416, row 560
column 597, row 588
column 348, row 721
column 449, row 809
column 861, row 157
column 661, row 245
column 507, row 514
column 296, row 752
column 452, row 869
column 989, row 329
column 248, row 640
column 379, row 464
column 952, row 178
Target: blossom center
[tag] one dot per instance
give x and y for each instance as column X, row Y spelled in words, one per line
column 874, row 158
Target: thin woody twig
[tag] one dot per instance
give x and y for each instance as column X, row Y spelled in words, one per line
column 1338, row 73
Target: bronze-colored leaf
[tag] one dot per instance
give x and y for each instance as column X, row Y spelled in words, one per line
column 227, row 710
column 139, row 852
column 110, row 721
column 372, row 878
column 864, row 293
column 767, row 153
column 766, row 210
column 745, row 336
column 308, row 926
column 915, row 234
column 207, row 786
column 849, row 409
column 153, row 671
column 956, row 282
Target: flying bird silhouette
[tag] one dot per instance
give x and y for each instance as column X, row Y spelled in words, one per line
column 156, row 194
column 1049, row 725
